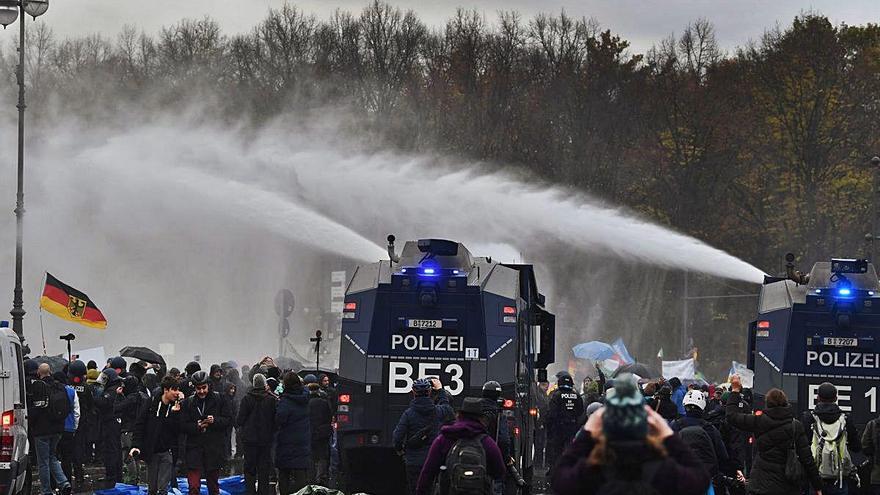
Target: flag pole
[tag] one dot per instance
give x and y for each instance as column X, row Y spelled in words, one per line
column 42, row 331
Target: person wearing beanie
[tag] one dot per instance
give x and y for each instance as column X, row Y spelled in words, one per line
column 256, row 427
column 109, row 394
column 828, row 421
column 416, row 429
column 469, row 423
column 67, row 445
column 563, row 413
column 626, row 447
column 775, row 430
column 88, row 420
column 92, row 365
column 293, row 447
column 321, row 424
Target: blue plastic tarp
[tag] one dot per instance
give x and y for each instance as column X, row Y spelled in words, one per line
column 233, row 485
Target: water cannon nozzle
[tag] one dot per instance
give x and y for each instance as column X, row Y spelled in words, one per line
column 391, row 254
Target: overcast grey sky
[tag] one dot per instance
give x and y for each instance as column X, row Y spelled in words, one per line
column 643, row 22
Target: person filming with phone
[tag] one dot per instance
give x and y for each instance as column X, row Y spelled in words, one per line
column 626, row 447
column 205, row 418
column 155, row 435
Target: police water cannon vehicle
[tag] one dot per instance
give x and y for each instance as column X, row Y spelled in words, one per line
column 435, row 311
column 821, row 326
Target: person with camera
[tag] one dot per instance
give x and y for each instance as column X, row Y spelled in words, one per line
column 783, row 462
column 628, row 448
column 205, row 419
column 154, row 436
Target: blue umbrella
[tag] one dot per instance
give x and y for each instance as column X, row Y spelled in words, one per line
column 593, row 350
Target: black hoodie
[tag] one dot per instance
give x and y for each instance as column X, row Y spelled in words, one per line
column 256, row 417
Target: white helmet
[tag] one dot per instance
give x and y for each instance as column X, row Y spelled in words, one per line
column 695, row 398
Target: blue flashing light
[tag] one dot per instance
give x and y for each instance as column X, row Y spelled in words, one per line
column 844, row 292
column 429, row 271
column 403, row 270
column 870, row 293
column 455, row 272
column 818, row 291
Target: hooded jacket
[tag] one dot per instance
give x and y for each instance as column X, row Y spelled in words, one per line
column 106, row 402
column 320, row 418
column 679, row 473
column 462, row 428
column 421, row 413
column 775, row 431
column 293, row 447
column 256, row 417
column 695, row 419
column 156, row 428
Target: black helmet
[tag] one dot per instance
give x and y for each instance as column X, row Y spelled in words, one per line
column 565, row 381
column 491, row 390
column 199, row 378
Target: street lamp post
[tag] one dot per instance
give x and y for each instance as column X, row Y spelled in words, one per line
column 10, row 10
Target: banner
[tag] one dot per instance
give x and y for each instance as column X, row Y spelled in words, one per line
column 95, row 354
column 623, row 354
column 747, row 376
column 684, row 369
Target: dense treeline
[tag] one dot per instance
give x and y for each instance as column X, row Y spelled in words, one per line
column 759, row 151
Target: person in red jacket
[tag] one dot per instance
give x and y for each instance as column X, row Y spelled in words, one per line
column 627, row 447
column 468, row 424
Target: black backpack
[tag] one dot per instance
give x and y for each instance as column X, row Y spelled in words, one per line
column 466, row 468
column 59, row 402
column 701, row 444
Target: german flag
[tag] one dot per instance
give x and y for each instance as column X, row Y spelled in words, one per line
column 70, row 304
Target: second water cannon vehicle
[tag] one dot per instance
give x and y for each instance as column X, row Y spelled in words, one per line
column 820, row 326
column 435, row 311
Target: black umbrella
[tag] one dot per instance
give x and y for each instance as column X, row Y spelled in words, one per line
column 640, row 369
column 56, row 363
column 142, row 353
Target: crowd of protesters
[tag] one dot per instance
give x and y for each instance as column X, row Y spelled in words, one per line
column 608, row 437
column 194, row 423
